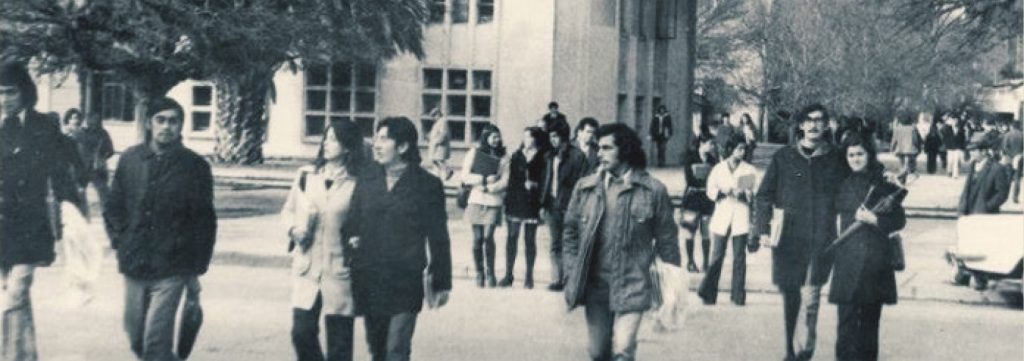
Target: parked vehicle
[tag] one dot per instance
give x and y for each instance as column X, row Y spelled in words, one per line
column 989, row 247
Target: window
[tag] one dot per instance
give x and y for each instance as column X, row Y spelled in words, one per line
column 436, row 11
column 340, row 91
column 202, row 107
column 116, row 100
column 666, row 19
column 465, row 95
column 484, row 11
column 460, row 11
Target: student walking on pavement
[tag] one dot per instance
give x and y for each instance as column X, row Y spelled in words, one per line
column 486, row 198
column 161, row 221
column 317, row 206
column 619, row 219
column 731, row 185
column 799, row 186
column 522, row 202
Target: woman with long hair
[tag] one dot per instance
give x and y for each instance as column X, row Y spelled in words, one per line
column 697, row 207
column 863, row 277
column 522, row 201
column 317, row 207
column 483, row 210
column 749, row 131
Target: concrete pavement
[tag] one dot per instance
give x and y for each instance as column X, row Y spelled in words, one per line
column 248, row 317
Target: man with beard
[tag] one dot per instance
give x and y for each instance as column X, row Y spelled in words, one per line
column 798, row 186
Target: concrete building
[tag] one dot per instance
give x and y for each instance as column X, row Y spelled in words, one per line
column 487, row 61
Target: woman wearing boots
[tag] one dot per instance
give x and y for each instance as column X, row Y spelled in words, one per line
column 522, row 202
column 317, row 205
column 863, row 277
column 483, row 210
column 697, row 207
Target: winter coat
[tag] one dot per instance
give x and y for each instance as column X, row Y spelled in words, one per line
column 33, row 161
column 954, row 140
column 520, row 202
column 645, row 229
column 986, row 190
column 160, row 214
column 904, row 140
column 572, row 165
column 322, row 268
column 803, row 186
column 732, row 215
column 862, row 269
column 439, row 141
column 661, row 129
column 396, row 229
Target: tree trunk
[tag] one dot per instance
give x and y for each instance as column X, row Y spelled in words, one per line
column 240, row 129
column 689, row 17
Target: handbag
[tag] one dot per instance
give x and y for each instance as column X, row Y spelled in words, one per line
column 462, row 198
column 897, row 257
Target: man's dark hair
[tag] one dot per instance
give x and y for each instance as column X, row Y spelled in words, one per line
column 725, row 115
column 631, row 151
column 401, row 130
column 15, row 74
column 70, row 113
column 730, row 145
column 161, row 104
column 905, row 117
column 588, row 121
column 559, row 128
column 804, row 113
column 351, row 139
column 553, row 105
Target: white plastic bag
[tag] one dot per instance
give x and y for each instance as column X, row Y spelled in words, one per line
column 83, row 256
column 672, row 287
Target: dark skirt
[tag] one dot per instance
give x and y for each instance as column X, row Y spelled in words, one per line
column 696, row 200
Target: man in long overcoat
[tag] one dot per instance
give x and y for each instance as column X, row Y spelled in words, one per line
column 33, row 160
column 801, row 181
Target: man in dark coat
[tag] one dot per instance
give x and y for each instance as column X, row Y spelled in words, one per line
column 987, row 185
column 566, row 165
column 399, row 229
column 553, row 118
column 31, row 156
column 801, row 181
column 586, row 140
column 162, row 223
column 660, row 132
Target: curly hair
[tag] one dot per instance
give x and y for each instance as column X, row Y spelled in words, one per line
column 631, row 151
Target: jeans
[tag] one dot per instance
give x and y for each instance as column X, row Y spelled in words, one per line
column 555, row 220
column 808, row 297
column 708, row 289
column 611, row 334
column 908, row 162
column 932, row 161
column 150, row 309
column 390, row 336
column 306, row 334
column 19, row 333
column 857, row 332
column 955, row 158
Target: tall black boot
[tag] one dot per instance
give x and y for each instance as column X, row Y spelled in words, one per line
column 489, row 252
column 478, row 261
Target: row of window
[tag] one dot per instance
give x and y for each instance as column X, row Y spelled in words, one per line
column 460, row 11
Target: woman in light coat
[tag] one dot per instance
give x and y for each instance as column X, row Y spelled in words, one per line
column 483, row 210
column 317, row 206
column 905, row 142
column 731, row 184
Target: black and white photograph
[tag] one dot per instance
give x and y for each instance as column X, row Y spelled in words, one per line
column 491, row 180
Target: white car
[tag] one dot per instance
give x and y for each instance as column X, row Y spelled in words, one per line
column 989, row 247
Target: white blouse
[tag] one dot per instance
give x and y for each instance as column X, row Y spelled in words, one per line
column 731, row 214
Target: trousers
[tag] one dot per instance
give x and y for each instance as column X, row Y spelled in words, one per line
column 390, row 336
column 708, row 289
column 19, row 332
column 857, row 332
column 612, row 335
column 306, row 334
column 150, row 309
column 555, row 220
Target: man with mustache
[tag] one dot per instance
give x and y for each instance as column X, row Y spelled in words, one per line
column 800, row 181
column 161, row 221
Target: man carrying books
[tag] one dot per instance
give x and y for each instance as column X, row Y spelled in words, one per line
column 796, row 191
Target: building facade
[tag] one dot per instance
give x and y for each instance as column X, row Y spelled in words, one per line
column 487, row 61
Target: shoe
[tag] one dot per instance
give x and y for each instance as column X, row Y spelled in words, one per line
column 480, row 281
column 528, row 283
column 491, row 281
column 505, row 282
column 804, row 355
column 707, row 301
column 555, row 287
column 692, row 268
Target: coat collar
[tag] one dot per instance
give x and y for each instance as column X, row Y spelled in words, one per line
column 634, row 177
column 823, row 149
